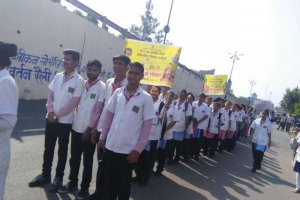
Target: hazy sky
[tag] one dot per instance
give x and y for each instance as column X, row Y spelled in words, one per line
column 267, row 32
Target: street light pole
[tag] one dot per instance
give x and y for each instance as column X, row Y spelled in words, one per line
column 252, row 83
column 234, row 57
column 167, row 28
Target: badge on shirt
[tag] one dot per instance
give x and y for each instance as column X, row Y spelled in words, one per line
column 71, row 90
column 135, row 109
column 93, row 96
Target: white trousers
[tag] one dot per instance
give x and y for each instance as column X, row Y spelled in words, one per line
column 2, row 184
column 298, row 180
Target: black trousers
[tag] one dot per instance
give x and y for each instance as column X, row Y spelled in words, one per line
column 77, row 149
column 210, row 145
column 197, row 144
column 186, row 148
column 175, row 144
column 54, row 131
column 162, row 156
column 222, row 145
column 257, row 157
column 118, row 175
column 145, row 164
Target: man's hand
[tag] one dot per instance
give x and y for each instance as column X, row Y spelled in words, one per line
column 250, row 138
column 100, row 146
column 94, row 138
column 86, row 137
column 133, row 157
column 50, row 118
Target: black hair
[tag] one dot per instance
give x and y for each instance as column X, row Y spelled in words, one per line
column 75, row 54
column 158, row 87
column 191, row 95
column 124, row 58
column 7, row 50
column 137, row 65
column 202, row 94
column 94, row 62
column 183, row 90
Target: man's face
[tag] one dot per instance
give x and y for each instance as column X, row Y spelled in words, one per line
column 69, row 63
column 190, row 99
column 216, row 107
column 134, row 75
column 227, row 105
column 119, row 67
column 128, row 53
column 263, row 116
column 201, row 98
column 92, row 72
column 208, row 101
column 154, row 92
column 233, row 108
column 182, row 95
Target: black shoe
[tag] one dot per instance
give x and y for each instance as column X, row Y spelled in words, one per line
column 40, row 180
column 135, row 179
column 56, row 184
column 83, row 194
column 170, row 161
column 253, row 170
column 176, row 160
column 94, row 196
column 157, row 173
column 69, row 187
column 143, row 182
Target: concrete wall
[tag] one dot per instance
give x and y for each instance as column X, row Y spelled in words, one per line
column 43, row 29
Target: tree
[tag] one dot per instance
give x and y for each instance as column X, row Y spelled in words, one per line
column 148, row 30
column 89, row 17
column 291, row 100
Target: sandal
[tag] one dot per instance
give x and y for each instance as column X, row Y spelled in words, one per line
column 296, row 190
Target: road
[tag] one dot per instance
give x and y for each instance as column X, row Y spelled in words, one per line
column 226, row 176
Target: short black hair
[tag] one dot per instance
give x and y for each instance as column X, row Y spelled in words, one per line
column 137, row 65
column 75, row 54
column 94, row 62
column 7, row 50
column 158, row 87
column 202, row 94
column 124, row 58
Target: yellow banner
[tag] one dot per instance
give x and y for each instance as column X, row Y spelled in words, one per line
column 160, row 61
column 214, row 84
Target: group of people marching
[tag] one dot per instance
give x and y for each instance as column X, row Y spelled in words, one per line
column 132, row 128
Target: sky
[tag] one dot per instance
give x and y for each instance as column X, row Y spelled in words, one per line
column 266, row 32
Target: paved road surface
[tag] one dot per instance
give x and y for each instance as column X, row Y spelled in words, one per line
column 227, row 176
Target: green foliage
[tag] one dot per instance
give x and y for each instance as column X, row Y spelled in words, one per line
column 148, row 30
column 297, row 109
column 91, row 18
column 291, row 101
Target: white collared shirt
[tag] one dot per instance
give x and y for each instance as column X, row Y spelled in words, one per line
column 171, row 116
column 224, row 119
column 233, row 119
column 156, row 122
column 182, row 113
column 87, row 105
column 64, row 92
column 201, row 111
column 9, row 94
column 214, row 121
column 261, row 131
column 108, row 94
column 126, row 126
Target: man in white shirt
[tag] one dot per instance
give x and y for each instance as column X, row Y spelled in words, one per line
column 145, row 164
column 64, row 95
column 169, row 119
column 8, row 109
column 201, row 116
column 86, row 118
column 212, row 133
column 231, row 133
column 120, row 68
column 184, row 112
column 224, row 126
column 125, row 131
column 261, row 129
